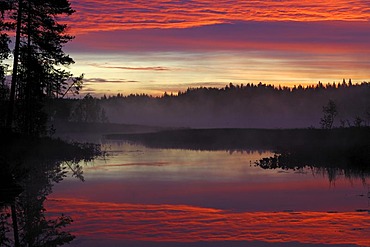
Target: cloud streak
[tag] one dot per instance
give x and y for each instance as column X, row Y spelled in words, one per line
column 102, row 80
column 154, row 68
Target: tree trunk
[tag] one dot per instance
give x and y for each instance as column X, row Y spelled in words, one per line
column 15, row 226
column 9, row 119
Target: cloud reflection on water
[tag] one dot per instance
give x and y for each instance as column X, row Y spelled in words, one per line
column 169, row 197
column 182, row 223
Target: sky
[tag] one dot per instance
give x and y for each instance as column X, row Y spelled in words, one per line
column 153, row 47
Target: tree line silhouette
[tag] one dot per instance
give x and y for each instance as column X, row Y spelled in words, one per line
column 249, row 87
column 235, row 106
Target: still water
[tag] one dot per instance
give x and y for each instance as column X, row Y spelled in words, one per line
column 138, row 196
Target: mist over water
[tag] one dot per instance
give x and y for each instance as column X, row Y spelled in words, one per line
column 241, row 107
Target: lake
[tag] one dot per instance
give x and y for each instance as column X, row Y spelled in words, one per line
column 140, row 196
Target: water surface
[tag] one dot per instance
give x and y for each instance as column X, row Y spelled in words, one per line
column 140, row 196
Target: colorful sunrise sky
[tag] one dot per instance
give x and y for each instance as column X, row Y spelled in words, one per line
column 142, row 46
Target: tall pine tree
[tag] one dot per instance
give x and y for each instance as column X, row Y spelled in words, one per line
column 4, row 54
column 38, row 61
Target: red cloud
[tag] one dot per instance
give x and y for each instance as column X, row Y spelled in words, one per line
column 97, row 15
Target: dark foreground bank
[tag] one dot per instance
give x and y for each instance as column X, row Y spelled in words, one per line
column 20, row 155
column 29, row 168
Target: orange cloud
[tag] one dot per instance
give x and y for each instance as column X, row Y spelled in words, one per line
column 181, row 223
column 97, row 15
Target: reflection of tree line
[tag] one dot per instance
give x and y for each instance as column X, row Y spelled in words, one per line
column 29, row 171
column 346, row 149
